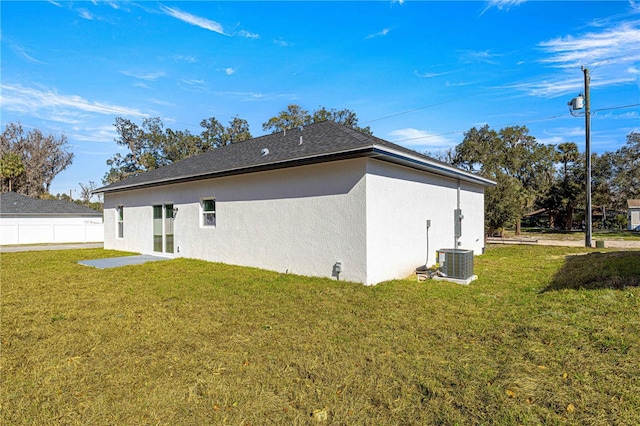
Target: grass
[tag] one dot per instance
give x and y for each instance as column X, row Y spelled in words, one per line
column 190, row 342
column 597, row 234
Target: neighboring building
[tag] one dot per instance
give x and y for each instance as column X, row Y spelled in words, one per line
column 324, row 200
column 26, row 220
column 634, row 214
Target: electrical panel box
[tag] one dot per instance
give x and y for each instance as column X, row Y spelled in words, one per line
column 457, row 222
column 455, row 263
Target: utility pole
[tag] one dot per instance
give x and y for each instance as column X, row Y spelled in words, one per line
column 587, row 129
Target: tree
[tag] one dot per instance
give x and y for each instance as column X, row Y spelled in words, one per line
column 294, row 116
column 86, row 191
column 151, row 146
column 522, row 168
column 215, row 135
column 43, row 158
column 568, row 185
column 11, row 166
column 502, row 204
column 446, row 156
column 602, row 174
column 627, row 170
column 343, row 116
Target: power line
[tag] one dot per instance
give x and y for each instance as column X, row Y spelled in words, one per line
column 431, row 105
column 617, row 107
column 480, row 93
column 462, row 131
column 553, row 117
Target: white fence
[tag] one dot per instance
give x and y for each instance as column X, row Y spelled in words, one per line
column 56, row 231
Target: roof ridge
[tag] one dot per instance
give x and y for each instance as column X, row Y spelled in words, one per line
column 316, row 142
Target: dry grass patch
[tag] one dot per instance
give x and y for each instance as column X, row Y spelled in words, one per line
column 191, row 342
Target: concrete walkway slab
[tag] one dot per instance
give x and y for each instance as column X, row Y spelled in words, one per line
column 116, row 262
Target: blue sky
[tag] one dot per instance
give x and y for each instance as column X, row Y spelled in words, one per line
column 419, row 73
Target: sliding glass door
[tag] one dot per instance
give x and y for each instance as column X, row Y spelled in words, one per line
column 163, row 228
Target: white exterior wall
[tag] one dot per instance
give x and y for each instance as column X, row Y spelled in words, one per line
column 399, row 201
column 302, row 220
column 368, row 214
column 38, row 230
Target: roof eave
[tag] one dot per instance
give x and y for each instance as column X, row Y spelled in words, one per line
column 87, row 215
column 314, row 159
column 430, row 166
column 372, row 151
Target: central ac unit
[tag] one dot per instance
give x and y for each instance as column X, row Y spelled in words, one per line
column 455, row 263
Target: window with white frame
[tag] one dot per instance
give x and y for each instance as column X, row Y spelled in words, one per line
column 120, row 221
column 208, row 206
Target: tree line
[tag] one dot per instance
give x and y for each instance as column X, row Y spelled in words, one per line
column 529, row 175
column 151, row 145
column 532, row 176
column 30, row 160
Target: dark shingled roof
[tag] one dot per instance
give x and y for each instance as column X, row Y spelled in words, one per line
column 316, row 143
column 12, row 204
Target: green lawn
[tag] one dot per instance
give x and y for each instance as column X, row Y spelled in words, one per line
column 191, row 342
column 597, row 234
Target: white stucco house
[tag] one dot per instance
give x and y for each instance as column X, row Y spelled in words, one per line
column 324, row 200
column 634, row 214
column 27, row 220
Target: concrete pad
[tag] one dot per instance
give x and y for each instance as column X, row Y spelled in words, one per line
column 116, row 262
column 457, row 280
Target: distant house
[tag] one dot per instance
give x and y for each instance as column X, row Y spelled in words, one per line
column 324, row 200
column 26, row 220
column 634, row 214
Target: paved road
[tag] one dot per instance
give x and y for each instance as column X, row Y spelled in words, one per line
column 14, row 249
column 627, row 244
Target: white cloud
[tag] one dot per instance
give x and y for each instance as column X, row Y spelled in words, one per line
column 229, row 71
column 247, row 34
column 502, row 4
column 85, row 14
column 382, row 33
column 114, row 4
column 253, row 96
column 610, row 46
column 458, row 84
column 611, row 54
column 161, row 102
column 20, row 51
column 149, row 76
column 141, row 85
column 483, row 56
column 198, row 21
column 563, row 85
column 280, row 42
column 51, row 105
column 552, row 140
column 185, row 58
column 193, row 85
column 566, row 132
column 106, row 133
column 410, row 137
column 430, row 74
